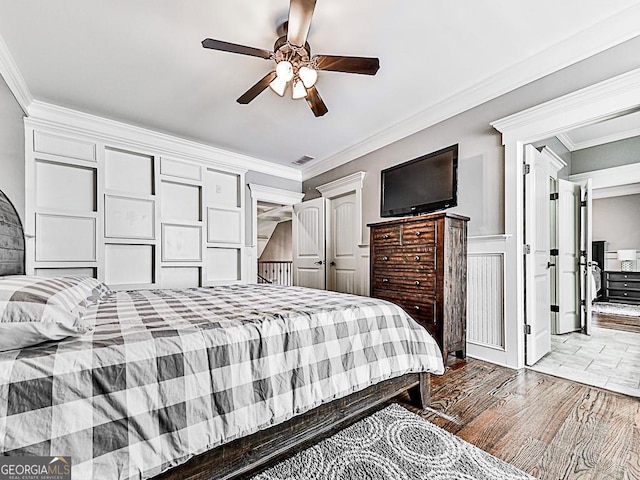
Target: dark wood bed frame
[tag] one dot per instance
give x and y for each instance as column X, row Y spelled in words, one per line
column 248, row 455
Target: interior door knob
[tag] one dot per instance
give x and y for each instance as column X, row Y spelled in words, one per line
column 319, row 262
column 333, row 264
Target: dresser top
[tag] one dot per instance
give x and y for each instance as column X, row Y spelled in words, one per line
column 420, row 218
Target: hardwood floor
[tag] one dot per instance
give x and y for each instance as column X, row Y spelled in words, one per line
column 548, row 427
column 616, row 322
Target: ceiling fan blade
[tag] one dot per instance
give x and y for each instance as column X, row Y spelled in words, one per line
column 333, row 63
column 315, row 102
column 235, row 48
column 300, row 13
column 257, row 89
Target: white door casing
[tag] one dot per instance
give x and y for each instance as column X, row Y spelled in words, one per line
column 342, row 245
column 568, row 258
column 309, row 243
column 538, row 238
column 586, row 261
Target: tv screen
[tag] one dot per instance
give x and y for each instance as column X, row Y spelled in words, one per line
column 422, row 185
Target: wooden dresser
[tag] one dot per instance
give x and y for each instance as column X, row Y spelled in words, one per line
column 420, row 263
column 622, row 287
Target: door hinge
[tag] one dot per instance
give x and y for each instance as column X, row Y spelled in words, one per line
column 554, row 196
column 583, row 253
column 527, row 329
column 526, row 169
column 583, row 203
column 555, row 308
column 527, row 249
column 583, row 303
column 554, row 252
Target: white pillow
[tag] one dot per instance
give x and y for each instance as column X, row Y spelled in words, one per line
column 38, row 309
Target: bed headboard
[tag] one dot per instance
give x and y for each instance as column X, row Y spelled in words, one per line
column 11, row 239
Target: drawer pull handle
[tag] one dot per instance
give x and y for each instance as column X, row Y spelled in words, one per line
column 385, row 280
column 418, row 233
column 625, row 294
column 626, row 285
column 385, row 237
column 416, row 308
column 417, row 258
column 416, row 283
column 385, row 258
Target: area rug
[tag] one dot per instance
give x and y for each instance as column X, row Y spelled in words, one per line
column 617, row 309
column 393, row 444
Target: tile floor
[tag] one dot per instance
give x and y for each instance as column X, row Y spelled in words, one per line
column 608, row 358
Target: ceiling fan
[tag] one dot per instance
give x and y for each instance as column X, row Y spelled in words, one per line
column 294, row 63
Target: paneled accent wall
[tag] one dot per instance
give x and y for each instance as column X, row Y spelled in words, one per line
column 486, row 298
column 132, row 217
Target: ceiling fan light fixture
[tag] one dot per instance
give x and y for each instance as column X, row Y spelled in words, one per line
column 278, row 85
column 284, row 70
column 309, row 76
column 299, row 90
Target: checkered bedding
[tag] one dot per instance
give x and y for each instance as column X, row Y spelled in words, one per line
column 168, row 374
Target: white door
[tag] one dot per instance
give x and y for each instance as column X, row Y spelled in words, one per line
column 568, row 258
column 585, row 265
column 342, row 247
column 538, row 238
column 309, row 244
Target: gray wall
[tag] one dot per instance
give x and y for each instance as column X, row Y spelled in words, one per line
column 614, row 154
column 11, row 149
column 279, row 248
column 481, row 162
column 267, row 181
column 617, row 220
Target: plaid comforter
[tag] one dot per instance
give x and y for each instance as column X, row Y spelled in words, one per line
column 168, row 374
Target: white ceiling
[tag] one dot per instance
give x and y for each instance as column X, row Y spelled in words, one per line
column 610, row 130
column 141, row 62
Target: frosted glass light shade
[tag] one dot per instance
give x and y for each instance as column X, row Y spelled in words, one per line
column 627, row 255
column 298, row 90
column 284, row 70
column 309, row 76
column 278, row 85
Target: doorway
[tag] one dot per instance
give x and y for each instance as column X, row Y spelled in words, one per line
column 275, row 253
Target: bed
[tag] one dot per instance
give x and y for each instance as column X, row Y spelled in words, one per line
column 205, row 382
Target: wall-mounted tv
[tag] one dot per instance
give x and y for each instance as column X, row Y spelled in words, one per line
column 422, row 185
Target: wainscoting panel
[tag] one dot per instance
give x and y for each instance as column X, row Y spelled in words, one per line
column 485, row 302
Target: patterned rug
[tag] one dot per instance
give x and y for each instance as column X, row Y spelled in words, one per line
column 617, row 309
column 393, row 444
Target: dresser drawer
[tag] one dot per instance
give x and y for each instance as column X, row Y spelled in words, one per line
column 623, row 294
column 419, row 234
column 420, row 308
column 386, row 236
column 405, row 258
column 421, row 282
column 622, row 285
column 623, row 276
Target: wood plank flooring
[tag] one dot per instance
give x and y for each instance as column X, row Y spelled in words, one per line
column 616, row 322
column 548, row 427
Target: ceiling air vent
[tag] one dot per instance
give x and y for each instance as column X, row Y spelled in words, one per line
column 303, row 160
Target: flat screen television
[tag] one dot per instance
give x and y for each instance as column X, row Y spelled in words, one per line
column 425, row 184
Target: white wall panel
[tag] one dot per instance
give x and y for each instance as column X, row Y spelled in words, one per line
column 223, row 226
column 180, row 202
column 129, row 217
column 129, row 264
column 65, row 187
column 223, row 264
column 485, row 299
column 180, row 277
column 61, row 238
column 63, row 146
column 64, row 272
column 181, row 243
column 128, row 172
column 222, row 189
column 178, row 169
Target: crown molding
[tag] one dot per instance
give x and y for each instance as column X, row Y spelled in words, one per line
column 15, row 81
column 614, row 137
column 564, row 139
column 590, row 41
column 611, row 179
column 274, row 195
column 341, row 186
column 43, row 114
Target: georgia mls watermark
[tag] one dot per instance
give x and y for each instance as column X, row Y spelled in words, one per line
column 35, row 468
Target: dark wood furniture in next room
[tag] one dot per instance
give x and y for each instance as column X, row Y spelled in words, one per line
column 622, row 287
column 420, row 263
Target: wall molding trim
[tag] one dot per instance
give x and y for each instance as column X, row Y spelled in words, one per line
column 610, row 178
column 15, row 81
column 554, row 159
column 610, row 32
column 488, row 238
column 45, row 115
column 274, row 195
column 573, row 146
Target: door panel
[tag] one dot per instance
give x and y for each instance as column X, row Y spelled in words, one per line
column 343, row 245
column 568, row 259
column 538, row 237
column 309, row 244
column 585, row 265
